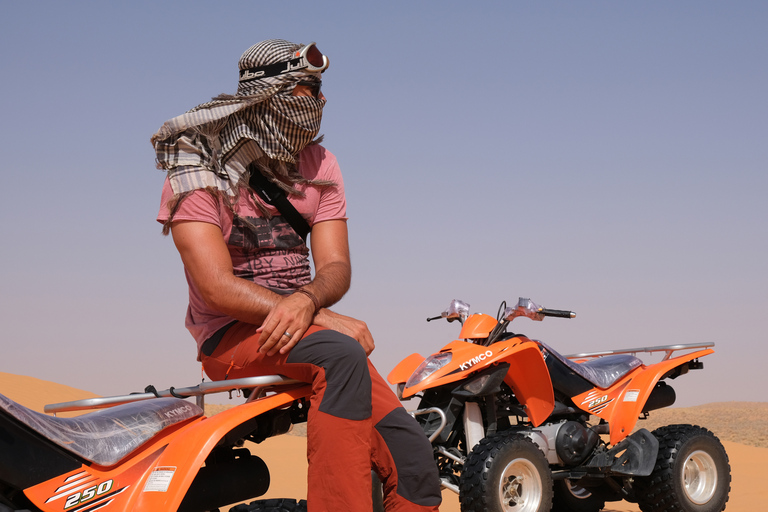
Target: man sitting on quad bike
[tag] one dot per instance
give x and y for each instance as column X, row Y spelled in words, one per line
column 254, row 307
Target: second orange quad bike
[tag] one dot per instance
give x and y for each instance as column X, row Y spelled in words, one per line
column 518, row 427
column 147, row 452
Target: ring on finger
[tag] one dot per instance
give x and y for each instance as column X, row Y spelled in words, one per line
column 286, row 333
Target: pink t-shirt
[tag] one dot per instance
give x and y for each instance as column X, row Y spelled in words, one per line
column 267, row 252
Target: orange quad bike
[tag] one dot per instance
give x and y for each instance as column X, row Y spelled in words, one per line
column 518, row 427
column 151, row 451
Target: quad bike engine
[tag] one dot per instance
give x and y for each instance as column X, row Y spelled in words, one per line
column 574, row 442
column 567, row 442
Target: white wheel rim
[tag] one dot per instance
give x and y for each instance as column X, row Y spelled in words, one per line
column 520, row 487
column 577, row 491
column 699, row 477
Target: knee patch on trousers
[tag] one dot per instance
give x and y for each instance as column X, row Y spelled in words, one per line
column 417, row 477
column 348, row 383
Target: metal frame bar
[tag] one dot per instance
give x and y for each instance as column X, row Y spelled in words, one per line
column 439, row 412
column 668, row 349
column 202, row 389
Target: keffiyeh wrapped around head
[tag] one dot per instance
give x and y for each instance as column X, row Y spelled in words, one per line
column 212, row 144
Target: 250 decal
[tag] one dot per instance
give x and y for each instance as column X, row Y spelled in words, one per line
column 88, row 494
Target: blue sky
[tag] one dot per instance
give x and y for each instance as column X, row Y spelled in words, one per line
column 605, row 157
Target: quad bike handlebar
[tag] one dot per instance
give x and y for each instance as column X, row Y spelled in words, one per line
column 559, row 313
column 459, row 310
column 528, row 308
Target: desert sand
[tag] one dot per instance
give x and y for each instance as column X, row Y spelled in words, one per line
column 743, row 428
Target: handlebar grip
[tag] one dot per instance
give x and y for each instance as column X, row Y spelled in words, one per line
column 434, row 318
column 560, row 313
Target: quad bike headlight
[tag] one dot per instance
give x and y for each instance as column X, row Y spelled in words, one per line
column 475, row 386
column 428, row 367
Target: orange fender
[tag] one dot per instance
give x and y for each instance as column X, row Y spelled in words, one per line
column 627, row 411
column 529, row 378
column 179, row 463
column 405, row 369
column 117, row 486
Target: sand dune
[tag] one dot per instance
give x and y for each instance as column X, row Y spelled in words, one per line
column 36, row 393
column 743, row 428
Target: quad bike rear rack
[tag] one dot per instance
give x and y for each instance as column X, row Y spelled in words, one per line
column 667, row 349
column 258, row 386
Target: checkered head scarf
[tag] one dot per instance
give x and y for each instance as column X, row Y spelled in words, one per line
column 212, row 144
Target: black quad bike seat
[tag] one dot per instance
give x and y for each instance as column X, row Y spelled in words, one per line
column 575, row 378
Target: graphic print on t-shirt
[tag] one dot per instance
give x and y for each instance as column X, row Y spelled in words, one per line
column 269, row 252
column 252, row 233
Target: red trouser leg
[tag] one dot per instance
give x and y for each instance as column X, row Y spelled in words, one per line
column 339, row 476
column 354, row 421
column 401, row 454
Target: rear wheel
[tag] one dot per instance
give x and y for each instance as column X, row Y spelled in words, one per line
column 506, row 473
column 273, row 505
column 692, row 473
column 571, row 497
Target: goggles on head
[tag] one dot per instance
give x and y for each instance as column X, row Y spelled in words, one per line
column 309, row 58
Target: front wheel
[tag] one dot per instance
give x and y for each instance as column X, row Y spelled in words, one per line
column 506, row 473
column 692, row 473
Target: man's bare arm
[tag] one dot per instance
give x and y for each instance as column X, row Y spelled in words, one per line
column 207, row 260
column 330, row 254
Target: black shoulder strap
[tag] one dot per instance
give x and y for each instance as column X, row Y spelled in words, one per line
column 275, row 196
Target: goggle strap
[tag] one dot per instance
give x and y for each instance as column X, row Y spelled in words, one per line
column 272, row 69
